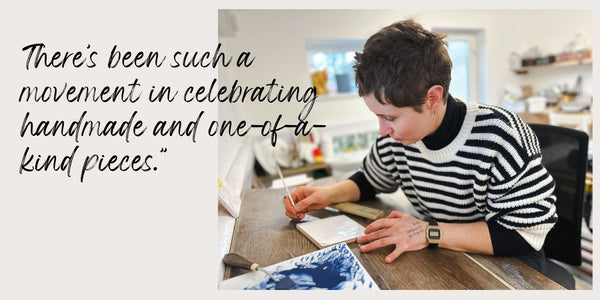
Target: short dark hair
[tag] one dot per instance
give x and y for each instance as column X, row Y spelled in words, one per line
column 401, row 62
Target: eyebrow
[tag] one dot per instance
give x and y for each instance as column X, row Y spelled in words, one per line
column 386, row 116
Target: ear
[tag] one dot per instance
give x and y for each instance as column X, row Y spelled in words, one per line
column 435, row 97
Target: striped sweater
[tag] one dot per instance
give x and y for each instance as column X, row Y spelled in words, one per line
column 490, row 172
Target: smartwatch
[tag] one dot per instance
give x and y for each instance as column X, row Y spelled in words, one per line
column 434, row 234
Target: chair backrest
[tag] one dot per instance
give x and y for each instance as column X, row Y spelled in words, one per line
column 564, row 155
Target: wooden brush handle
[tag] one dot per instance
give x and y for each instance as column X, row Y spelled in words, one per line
column 236, row 260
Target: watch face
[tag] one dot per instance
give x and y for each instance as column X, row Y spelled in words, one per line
column 434, row 234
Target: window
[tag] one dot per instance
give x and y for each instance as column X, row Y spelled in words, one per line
column 465, row 48
column 336, row 58
column 459, row 54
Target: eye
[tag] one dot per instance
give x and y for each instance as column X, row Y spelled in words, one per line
column 388, row 119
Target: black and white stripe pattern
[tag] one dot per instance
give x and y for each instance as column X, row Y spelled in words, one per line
column 491, row 172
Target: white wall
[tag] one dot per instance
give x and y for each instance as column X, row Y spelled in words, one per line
column 277, row 39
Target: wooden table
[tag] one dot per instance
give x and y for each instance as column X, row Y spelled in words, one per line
column 264, row 234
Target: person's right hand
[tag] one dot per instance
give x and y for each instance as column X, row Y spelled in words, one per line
column 307, row 199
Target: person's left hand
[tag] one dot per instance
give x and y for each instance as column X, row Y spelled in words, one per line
column 401, row 229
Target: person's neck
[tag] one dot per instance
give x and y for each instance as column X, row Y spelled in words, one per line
column 438, row 118
column 447, row 124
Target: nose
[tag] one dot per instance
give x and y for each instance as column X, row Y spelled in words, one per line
column 384, row 128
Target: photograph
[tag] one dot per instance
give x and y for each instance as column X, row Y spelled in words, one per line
column 459, row 141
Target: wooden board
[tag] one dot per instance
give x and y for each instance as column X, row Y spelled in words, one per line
column 359, row 210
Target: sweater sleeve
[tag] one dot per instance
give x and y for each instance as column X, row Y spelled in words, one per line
column 520, row 195
column 377, row 166
column 367, row 191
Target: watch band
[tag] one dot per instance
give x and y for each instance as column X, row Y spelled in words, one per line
column 434, row 234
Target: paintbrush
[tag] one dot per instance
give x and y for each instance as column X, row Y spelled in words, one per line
column 285, row 186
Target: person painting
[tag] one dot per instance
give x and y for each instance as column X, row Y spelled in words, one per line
column 472, row 170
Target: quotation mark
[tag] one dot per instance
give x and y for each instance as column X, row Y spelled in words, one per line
column 162, row 150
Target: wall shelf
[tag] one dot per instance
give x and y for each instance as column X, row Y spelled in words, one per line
column 558, row 64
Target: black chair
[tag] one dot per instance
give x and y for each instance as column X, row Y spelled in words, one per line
column 564, row 155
